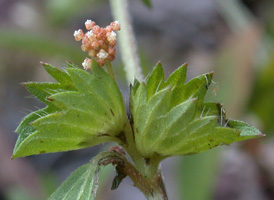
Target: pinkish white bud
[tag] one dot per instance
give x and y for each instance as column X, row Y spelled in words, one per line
column 115, row 25
column 102, row 54
column 89, row 24
column 95, row 44
column 90, row 35
column 111, row 51
column 109, row 29
column 79, row 35
column 87, row 64
column 85, row 42
column 96, row 29
column 112, row 43
column 83, row 47
column 100, row 42
column 112, row 36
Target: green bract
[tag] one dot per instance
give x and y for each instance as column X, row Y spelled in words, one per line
column 171, row 118
column 82, row 110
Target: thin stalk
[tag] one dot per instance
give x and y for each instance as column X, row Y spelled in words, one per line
column 236, row 15
column 127, row 40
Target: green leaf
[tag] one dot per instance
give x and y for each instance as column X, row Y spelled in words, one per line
column 25, row 129
column 43, row 90
column 147, row 3
column 246, row 129
column 83, row 110
column 155, row 79
column 59, row 75
column 178, row 77
column 195, row 88
column 82, row 184
column 79, row 185
column 171, row 118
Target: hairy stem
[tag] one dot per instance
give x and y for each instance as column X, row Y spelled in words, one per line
column 236, row 15
column 152, row 188
column 127, row 41
column 147, row 178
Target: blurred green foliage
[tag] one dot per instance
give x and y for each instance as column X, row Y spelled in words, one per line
column 39, row 45
column 17, row 194
column 197, row 175
column 262, row 100
column 147, row 3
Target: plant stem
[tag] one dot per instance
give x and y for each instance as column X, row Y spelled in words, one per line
column 149, row 180
column 236, row 14
column 127, row 41
column 147, row 177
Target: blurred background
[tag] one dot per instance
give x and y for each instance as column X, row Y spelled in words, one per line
column 234, row 38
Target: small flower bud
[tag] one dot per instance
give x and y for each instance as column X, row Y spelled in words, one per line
column 83, row 47
column 109, row 29
column 101, row 62
column 111, row 57
column 111, row 51
column 89, row 24
column 100, row 42
column 87, row 64
column 112, row 36
column 115, row 25
column 112, row 43
column 102, row 34
column 92, row 53
column 79, row 35
column 102, row 54
column 96, row 29
column 90, row 34
column 95, row 44
column 86, row 42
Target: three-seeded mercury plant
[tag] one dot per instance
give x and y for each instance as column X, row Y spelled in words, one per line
column 168, row 117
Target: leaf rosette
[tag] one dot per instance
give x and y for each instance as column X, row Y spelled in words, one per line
column 82, row 110
column 170, row 117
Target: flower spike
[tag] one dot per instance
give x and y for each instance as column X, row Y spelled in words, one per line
column 98, row 42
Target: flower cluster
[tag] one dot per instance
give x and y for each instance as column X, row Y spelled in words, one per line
column 98, row 42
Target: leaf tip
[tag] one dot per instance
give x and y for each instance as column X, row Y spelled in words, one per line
column 261, row 135
column 43, row 63
column 14, row 155
column 50, row 99
column 24, row 84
